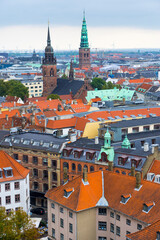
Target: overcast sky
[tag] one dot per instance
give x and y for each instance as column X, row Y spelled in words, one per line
column 111, row 23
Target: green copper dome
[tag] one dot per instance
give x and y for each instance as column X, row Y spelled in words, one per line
column 84, row 35
column 126, row 143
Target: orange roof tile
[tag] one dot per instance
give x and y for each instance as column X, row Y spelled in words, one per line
column 155, row 167
column 62, row 123
column 148, row 233
column 19, row 172
column 87, row 196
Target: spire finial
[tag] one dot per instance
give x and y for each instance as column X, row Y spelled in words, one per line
column 84, row 14
column 48, row 37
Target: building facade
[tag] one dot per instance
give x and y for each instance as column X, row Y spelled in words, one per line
column 49, row 69
column 35, row 88
column 14, row 184
column 84, row 50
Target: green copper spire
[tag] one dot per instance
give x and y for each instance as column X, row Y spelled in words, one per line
column 84, row 35
column 107, row 139
column 126, row 143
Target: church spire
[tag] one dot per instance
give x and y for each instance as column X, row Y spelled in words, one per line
column 84, row 34
column 48, row 37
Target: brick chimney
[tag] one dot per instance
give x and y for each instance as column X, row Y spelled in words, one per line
column 138, row 179
column 133, row 171
column 110, row 166
column 85, row 175
column 65, row 175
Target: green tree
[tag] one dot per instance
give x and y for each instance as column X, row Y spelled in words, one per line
column 53, row 96
column 3, row 88
column 16, row 88
column 16, row 226
column 98, row 83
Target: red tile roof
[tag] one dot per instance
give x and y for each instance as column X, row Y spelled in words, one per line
column 148, row 233
column 63, row 123
column 115, row 185
column 19, row 172
column 155, row 167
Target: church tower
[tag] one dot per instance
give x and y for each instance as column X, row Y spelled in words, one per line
column 84, row 50
column 49, row 69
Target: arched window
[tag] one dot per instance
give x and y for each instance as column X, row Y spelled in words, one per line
column 45, row 187
column 104, row 157
column 45, row 174
column 54, row 176
column 79, row 168
column 73, row 167
column 124, row 173
column 91, row 169
column 117, row 171
column 100, row 168
column 85, row 166
column 52, row 72
column 35, row 185
column 65, row 164
column 35, row 172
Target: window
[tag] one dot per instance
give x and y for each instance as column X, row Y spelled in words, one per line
column 7, row 186
column 142, row 143
column 118, row 217
column 147, row 207
column 70, row 214
column 91, row 169
column 35, row 172
column 70, row 227
column 1, row 175
column 52, row 205
column 73, row 167
column 35, row 185
column 102, row 226
column 112, row 227
column 45, row 187
column 79, row 168
column 135, row 129
column 153, row 141
column 61, row 223
column 125, row 198
column 61, row 209
column 112, row 214
column 25, row 158
column 15, row 156
column 102, row 211
column 45, row 174
column 16, row 185
column 146, row 128
column 8, row 199
column 0, row 201
column 45, row 161
column 53, row 232
column 17, row 198
column 118, row 231
column 35, row 160
column 8, row 172
column 61, row 236
column 128, row 222
column 127, row 232
column 53, row 218
column 139, row 226
column 54, row 164
column 102, row 238
column 8, row 211
column 54, row 176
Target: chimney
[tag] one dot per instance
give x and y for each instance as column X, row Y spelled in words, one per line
column 110, row 166
column 146, row 147
column 73, row 137
column 6, row 117
column 96, row 140
column 85, row 175
column 138, row 179
column 133, row 171
column 65, row 175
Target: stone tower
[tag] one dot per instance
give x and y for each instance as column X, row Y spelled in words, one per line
column 49, row 69
column 84, row 50
column 71, row 72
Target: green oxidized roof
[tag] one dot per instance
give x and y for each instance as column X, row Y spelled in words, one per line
column 84, row 35
column 111, row 94
column 107, row 147
column 126, row 143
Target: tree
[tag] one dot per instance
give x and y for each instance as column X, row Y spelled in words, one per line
column 98, row 83
column 53, row 96
column 16, row 88
column 13, row 88
column 16, row 226
column 64, row 76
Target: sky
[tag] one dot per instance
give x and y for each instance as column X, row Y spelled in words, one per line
column 112, row 24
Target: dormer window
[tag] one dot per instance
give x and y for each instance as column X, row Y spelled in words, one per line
column 90, row 155
column 147, row 206
column 157, row 178
column 8, row 172
column 1, row 173
column 136, row 162
column 125, row 198
column 68, row 191
column 66, row 152
column 78, row 153
column 122, row 159
column 158, row 235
